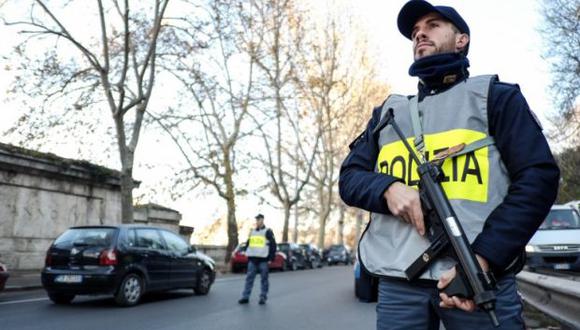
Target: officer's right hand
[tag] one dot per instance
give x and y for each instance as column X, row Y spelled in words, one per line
column 404, row 201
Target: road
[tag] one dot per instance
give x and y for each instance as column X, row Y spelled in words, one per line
column 310, row 299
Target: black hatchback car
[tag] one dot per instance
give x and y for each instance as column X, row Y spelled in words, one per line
column 295, row 256
column 125, row 261
column 313, row 255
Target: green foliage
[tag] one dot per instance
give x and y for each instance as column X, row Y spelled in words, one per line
column 569, row 162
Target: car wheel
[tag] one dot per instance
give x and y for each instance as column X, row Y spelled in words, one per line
column 130, row 290
column 61, row 298
column 293, row 266
column 203, row 283
column 284, row 267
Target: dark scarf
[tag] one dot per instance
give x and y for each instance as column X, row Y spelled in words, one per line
column 440, row 71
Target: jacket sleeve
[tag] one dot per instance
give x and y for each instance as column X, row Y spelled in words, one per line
column 272, row 245
column 533, row 174
column 359, row 185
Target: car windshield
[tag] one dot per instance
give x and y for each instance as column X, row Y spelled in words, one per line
column 85, row 237
column 336, row 248
column 283, row 246
column 561, row 219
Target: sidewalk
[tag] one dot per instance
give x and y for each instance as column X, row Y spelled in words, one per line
column 23, row 280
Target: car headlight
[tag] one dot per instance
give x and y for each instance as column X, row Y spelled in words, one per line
column 531, row 248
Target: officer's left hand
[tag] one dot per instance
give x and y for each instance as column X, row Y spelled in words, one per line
column 455, row 302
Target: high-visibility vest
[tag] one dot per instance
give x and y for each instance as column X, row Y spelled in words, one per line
column 475, row 183
column 258, row 245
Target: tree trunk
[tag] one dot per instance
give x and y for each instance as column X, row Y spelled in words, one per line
column 232, row 226
column 323, row 216
column 127, row 196
column 286, row 222
column 295, row 233
column 341, row 224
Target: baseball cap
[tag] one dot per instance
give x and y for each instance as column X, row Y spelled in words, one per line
column 415, row 9
column 259, row 216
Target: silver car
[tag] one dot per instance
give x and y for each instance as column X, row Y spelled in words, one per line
column 556, row 244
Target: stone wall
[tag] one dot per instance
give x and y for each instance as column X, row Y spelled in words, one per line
column 163, row 217
column 41, row 195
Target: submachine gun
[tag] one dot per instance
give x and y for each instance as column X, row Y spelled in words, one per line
column 445, row 233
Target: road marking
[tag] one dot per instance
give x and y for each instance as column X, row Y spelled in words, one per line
column 229, row 279
column 22, row 301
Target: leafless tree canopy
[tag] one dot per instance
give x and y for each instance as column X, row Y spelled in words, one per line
column 259, row 97
column 561, row 32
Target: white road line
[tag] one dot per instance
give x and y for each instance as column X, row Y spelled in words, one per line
column 22, row 301
column 229, row 279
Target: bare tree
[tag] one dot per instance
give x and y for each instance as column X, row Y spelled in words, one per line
column 561, row 32
column 208, row 125
column 120, row 62
column 287, row 158
column 340, row 84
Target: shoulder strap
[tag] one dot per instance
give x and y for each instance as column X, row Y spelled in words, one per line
column 418, row 131
column 475, row 145
column 416, row 122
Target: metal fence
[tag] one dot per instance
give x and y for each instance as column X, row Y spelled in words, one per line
column 554, row 296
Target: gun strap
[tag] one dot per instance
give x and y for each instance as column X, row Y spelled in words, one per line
column 418, row 131
column 417, row 128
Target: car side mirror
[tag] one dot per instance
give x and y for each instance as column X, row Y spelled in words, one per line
column 192, row 249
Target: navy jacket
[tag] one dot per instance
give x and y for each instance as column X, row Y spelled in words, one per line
column 532, row 170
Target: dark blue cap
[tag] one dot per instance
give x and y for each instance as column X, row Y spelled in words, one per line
column 413, row 10
column 259, row 216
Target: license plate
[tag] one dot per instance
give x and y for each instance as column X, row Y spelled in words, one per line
column 562, row 266
column 69, row 279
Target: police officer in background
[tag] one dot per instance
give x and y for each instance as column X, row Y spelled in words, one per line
column 261, row 248
column 501, row 188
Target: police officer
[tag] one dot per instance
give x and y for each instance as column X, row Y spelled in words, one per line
column 261, row 248
column 501, row 189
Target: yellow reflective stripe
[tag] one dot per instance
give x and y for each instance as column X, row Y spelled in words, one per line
column 257, row 241
column 466, row 176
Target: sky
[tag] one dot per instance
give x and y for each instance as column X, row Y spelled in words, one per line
column 504, row 41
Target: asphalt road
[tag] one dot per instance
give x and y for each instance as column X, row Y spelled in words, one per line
column 309, row 299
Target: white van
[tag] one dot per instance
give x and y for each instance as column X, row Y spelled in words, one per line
column 556, row 244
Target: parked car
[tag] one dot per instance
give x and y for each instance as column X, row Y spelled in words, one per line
column 313, row 255
column 338, row 253
column 125, row 261
column 239, row 260
column 556, row 244
column 295, row 257
column 366, row 286
column 4, row 274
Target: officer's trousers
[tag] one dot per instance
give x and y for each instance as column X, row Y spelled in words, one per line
column 407, row 306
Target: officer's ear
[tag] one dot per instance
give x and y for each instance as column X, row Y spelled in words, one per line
column 461, row 42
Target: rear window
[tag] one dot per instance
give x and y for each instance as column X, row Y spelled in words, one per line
column 561, row 219
column 85, row 237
